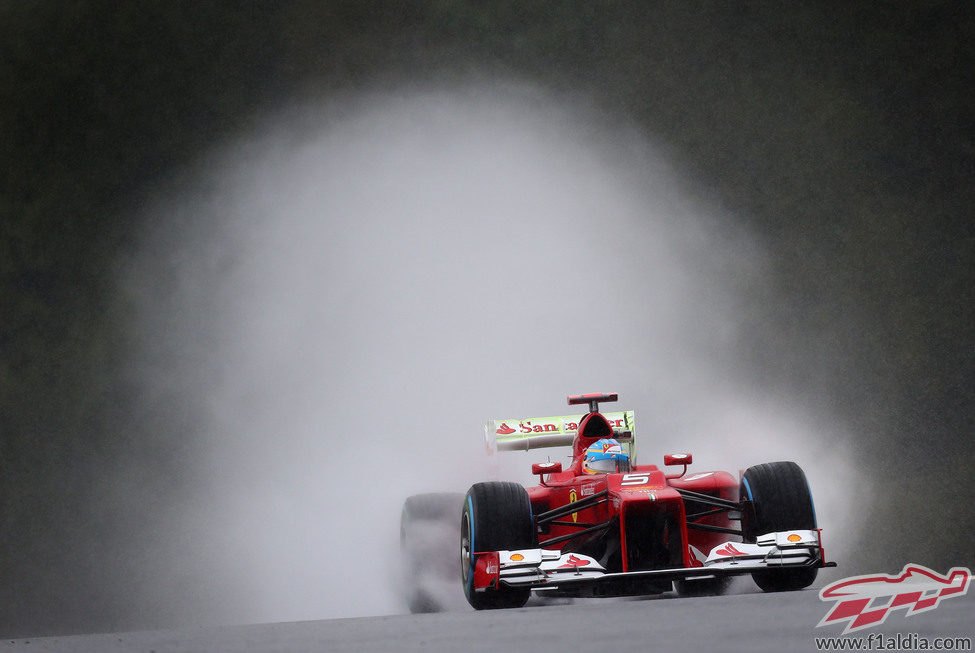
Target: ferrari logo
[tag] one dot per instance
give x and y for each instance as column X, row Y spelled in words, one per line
column 573, row 497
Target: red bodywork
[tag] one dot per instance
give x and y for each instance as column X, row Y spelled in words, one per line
column 649, row 518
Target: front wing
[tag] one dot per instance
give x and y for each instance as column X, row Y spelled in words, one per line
column 544, row 570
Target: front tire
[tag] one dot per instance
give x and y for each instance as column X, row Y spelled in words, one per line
column 497, row 516
column 780, row 501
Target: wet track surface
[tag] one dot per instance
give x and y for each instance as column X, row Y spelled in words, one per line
column 745, row 622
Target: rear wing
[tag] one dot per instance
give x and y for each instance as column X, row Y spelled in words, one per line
column 558, row 431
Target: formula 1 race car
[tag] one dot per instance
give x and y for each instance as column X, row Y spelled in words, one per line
column 609, row 527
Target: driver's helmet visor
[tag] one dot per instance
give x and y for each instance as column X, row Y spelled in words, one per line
column 602, row 465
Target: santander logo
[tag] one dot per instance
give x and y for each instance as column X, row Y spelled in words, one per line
column 567, row 424
column 865, row 601
column 729, row 550
column 574, row 561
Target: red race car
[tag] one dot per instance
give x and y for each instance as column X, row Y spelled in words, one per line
column 606, row 526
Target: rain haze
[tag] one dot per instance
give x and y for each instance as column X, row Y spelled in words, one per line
column 267, row 268
column 336, row 303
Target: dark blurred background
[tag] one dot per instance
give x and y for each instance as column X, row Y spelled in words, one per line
column 841, row 133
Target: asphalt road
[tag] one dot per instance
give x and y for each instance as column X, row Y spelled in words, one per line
column 750, row 622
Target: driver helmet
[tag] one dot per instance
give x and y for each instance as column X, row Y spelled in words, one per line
column 604, row 457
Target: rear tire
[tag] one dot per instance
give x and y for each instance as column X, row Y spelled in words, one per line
column 780, row 501
column 497, row 516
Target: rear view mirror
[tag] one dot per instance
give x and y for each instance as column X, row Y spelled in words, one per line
column 546, row 468
column 678, row 459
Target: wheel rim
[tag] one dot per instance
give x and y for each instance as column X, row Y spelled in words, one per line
column 465, row 552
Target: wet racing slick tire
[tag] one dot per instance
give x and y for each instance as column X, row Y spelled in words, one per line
column 428, row 541
column 780, row 501
column 497, row 516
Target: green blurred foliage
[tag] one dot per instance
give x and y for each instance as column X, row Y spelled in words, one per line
column 842, row 133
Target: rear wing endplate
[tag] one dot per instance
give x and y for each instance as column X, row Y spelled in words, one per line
column 558, row 431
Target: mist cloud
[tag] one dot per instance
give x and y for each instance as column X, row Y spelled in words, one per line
column 338, row 303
